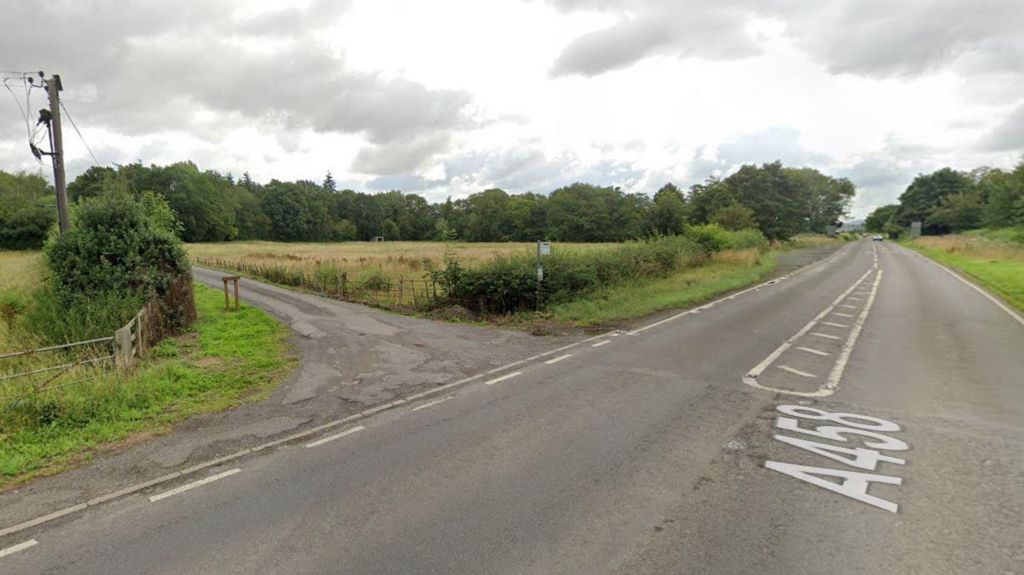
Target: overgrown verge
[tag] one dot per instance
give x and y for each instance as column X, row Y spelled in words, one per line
column 994, row 262
column 509, row 284
column 726, row 271
column 228, row 358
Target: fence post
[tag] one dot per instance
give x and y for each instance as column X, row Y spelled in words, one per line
column 123, row 347
column 344, row 285
column 401, row 287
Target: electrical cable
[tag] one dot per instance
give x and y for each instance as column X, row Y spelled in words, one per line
column 77, row 131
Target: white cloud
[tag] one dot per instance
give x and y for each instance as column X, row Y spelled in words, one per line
column 453, row 96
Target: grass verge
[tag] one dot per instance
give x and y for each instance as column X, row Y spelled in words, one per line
column 229, row 358
column 995, row 264
column 725, row 272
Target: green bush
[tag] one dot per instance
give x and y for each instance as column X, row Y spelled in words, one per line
column 747, row 239
column 509, row 283
column 710, row 237
column 120, row 252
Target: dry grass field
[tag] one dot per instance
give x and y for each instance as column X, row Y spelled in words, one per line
column 20, row 272
column 392, row 259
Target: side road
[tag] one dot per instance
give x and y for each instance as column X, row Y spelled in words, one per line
column 352, row 357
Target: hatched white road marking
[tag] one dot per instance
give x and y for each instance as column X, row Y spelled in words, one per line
column 824, row 335
column 834, row 324
column 848, row 306
column 336, row 436
column 193, row 485
column 19, row 547
column 600, row 343
column 841, row 314
column 503, row 378
column 558, row 359
column 796, row 371
column 432, row 403
column 814, row 351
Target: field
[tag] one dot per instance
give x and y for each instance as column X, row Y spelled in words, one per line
column 997, row 264
column 20, row 273
column 48, row 423
column 393, row 259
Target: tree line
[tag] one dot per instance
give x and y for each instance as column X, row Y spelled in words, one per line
column 211, row 207
column 951, row 201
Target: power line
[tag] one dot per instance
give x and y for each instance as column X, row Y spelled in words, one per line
column 77, row 131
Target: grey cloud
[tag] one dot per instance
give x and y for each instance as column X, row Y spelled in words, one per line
column 866, row 37
column 399, row 156
column 651, row 28
column 777, row 143
column 138, row 69
column 1009, row 135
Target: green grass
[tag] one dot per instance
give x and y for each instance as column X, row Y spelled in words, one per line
column 996, row 264
column 692, row 286
column 229, row 358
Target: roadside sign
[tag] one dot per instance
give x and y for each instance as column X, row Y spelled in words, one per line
column 540, row 273
column 543, row 248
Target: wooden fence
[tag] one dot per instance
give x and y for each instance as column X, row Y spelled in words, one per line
column 329, row 281
column 121, row 350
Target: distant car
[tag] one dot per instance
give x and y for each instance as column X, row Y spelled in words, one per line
column 877, row 238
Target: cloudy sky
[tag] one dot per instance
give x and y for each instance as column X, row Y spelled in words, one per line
column 449, row 97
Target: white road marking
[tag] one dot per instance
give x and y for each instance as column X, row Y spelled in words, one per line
column 848, row 306
column 829, row 387
column 814, row 351
column 324, row 440
column 19, row 547
column 796, row 371
column 841, row 314
column 600, row 343
column 615, row 334
column 852, row 298
column 432, row 403
column 193, row 485
column 844, row 356
column 988, row 296
column 503, row 378
column 834, row 324
column 557, row 359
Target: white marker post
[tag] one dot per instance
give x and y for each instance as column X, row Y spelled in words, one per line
column 543, row 249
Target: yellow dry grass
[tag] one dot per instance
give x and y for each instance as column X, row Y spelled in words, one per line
column 392, row 259
column 973, row 247
column 20, row 273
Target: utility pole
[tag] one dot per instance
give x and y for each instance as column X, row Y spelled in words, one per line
column 53, row 88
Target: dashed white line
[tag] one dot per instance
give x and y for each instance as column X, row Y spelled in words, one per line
column 796, row 371
column 432, row 403
column 336, row 436
column 600, row 343
column 193, row 485
column 824, row 335
column 814, row 351
column 834, row 324
column 19, row 547
column 503, row 378
column 557, row 359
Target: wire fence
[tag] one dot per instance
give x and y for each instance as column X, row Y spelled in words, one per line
column 326, row 279
column 23, row 376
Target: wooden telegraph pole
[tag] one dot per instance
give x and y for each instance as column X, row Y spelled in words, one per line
column 53, row 88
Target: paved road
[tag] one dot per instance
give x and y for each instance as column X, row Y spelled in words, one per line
column 713, row 442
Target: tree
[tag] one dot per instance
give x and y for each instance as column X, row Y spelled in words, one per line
column 828, row 199
column 706, row 199
column 956, row 213
column 668, row 215
column 881, row 218
column 734, row 217
column 329, row 185
column 781, row 205
column 925, row 194
column 1000, row 192
column 27, row 211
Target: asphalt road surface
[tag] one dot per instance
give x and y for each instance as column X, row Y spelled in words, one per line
column 865, row 415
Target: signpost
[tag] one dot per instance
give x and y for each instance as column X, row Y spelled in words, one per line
column 915, row 230
column 543, row 249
